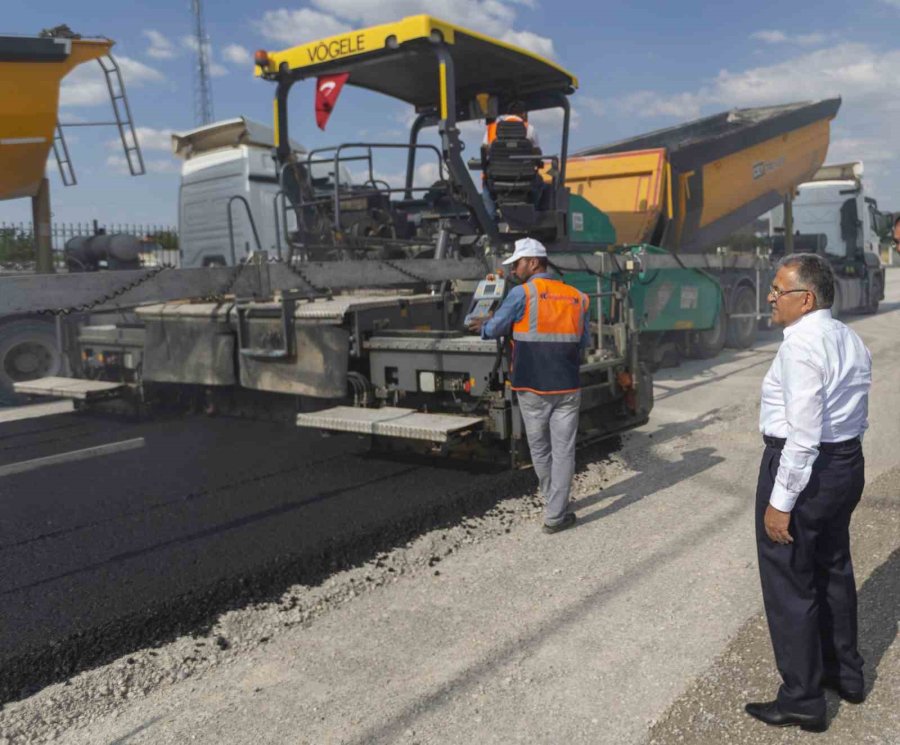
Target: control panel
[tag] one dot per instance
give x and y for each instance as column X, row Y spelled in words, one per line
column 487, row 298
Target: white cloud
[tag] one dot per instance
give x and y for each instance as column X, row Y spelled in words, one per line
column 236, row 54
column 215, row 69
column 772, row 36
column 297, row 26
column 155, row 139
column 427, row 173
column 86, row 86
column 596, row 106
column 162, row 166
column 858, row 72
column 395, row 179
column 330, row 17
column 117, row 164
column 488, row 16
column 160, row 46
column 532, row 42
column 863, row 75
column 873, row 152
column 652, row 104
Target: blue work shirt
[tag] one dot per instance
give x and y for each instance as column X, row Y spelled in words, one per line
column 513, row 309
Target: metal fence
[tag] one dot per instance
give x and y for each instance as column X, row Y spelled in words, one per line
column 17, row 239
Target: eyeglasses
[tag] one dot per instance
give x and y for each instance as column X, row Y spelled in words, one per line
column 776, row 293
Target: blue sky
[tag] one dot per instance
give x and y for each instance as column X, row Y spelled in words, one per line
column 641, row 65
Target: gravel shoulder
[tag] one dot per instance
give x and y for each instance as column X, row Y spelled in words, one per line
column 746, row 670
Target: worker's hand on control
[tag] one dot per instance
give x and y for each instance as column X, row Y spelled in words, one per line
column 476, row 323
column 776, row 523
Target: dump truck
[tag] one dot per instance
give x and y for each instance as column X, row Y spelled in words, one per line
column 685, row 190
column 374, row 343
column 31, row 70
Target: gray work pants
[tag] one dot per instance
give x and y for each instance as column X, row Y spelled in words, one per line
column 551, row 424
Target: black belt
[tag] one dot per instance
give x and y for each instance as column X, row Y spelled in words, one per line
column 824, row 447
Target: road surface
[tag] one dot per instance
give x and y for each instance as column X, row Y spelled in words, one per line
column 641, row 625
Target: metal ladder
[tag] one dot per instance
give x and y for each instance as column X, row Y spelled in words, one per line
column 61, row 152
column 122, row 113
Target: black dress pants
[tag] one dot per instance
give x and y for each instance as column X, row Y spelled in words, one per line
column 808, row 586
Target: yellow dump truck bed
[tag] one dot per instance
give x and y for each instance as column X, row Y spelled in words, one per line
column 31, row 70
column 687, row 187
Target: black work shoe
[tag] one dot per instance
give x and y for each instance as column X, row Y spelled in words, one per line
column 850, row 695
column 567, row 522
column 771, row 714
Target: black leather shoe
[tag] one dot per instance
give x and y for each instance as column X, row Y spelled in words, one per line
column 567, row 522
column 850, row 695
column 771, row 714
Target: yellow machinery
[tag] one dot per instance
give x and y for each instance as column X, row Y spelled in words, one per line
column 687, row 187
column 31, row 70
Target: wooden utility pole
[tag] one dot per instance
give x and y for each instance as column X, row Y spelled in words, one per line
column 40, row 219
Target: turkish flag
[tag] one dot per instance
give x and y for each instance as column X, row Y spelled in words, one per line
column 328, row 88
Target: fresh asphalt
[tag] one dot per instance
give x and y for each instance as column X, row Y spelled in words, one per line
column 116, row 534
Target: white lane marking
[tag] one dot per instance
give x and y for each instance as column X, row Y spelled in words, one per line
column 33, row 411
column 72, row 455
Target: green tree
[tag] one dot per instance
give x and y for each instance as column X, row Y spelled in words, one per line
column 16, row 245
column 167, row 239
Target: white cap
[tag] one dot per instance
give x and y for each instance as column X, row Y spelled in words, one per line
column 527, row 248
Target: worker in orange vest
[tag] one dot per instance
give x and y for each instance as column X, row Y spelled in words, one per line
column 550, row 328
column 516, row 113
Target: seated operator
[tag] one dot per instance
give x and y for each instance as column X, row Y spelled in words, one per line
column 516, row 113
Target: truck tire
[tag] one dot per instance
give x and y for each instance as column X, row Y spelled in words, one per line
column 28, row 350
column 837, row 306
column 741, row 332
column 710, row 342
column 875, row 295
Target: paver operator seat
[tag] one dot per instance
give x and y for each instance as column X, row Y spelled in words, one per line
column 512, row 165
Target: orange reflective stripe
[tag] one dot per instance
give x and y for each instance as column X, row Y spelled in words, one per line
column 544, row 393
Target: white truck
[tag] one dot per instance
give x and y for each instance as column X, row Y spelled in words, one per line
column 229, row 171
column 832, row 215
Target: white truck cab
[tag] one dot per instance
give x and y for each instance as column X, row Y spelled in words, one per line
column 834, row 217
column 224, row 160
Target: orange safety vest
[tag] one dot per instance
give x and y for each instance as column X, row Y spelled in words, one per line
column 547, row 356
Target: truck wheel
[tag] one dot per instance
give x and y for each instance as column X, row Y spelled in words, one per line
column 28, row 350
column 876, row 292
column 742, row 331
column 837, row 306
column 709, row 342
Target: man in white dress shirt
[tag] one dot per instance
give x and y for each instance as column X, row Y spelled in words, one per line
column 813, row 414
